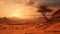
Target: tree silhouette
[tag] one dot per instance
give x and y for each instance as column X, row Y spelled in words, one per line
column 43, row 9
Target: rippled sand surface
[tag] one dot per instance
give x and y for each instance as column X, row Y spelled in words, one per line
column 53, row 28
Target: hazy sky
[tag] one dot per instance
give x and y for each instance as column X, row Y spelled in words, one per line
column 50, row 1
column 13, row 8
column 18, row 8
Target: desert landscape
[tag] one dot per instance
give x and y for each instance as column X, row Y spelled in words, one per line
column 29, row 16
column 29, row 28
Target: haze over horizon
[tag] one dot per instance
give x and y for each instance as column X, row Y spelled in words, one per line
column 23, row 8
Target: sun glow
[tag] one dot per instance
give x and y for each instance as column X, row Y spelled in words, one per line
column 17, row 14
column 17, row 10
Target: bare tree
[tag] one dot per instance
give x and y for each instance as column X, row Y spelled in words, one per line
column 43, row 9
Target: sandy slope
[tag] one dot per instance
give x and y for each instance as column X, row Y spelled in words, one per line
column 53, row 28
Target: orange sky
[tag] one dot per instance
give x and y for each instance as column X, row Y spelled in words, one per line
column 11, row 9
column 20, row 8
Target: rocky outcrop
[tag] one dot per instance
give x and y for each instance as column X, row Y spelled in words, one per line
column 56, row 15
column 5, row 20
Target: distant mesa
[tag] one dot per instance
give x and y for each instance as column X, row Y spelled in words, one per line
column 13, row 21
column 4, row 20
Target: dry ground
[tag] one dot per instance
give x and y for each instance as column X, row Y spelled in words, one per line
column 53, row 28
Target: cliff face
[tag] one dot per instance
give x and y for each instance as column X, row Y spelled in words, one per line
column 56, row 15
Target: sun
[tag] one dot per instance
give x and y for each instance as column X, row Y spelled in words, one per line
column 16, row 15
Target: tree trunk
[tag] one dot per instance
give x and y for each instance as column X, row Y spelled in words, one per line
column 44, row 16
